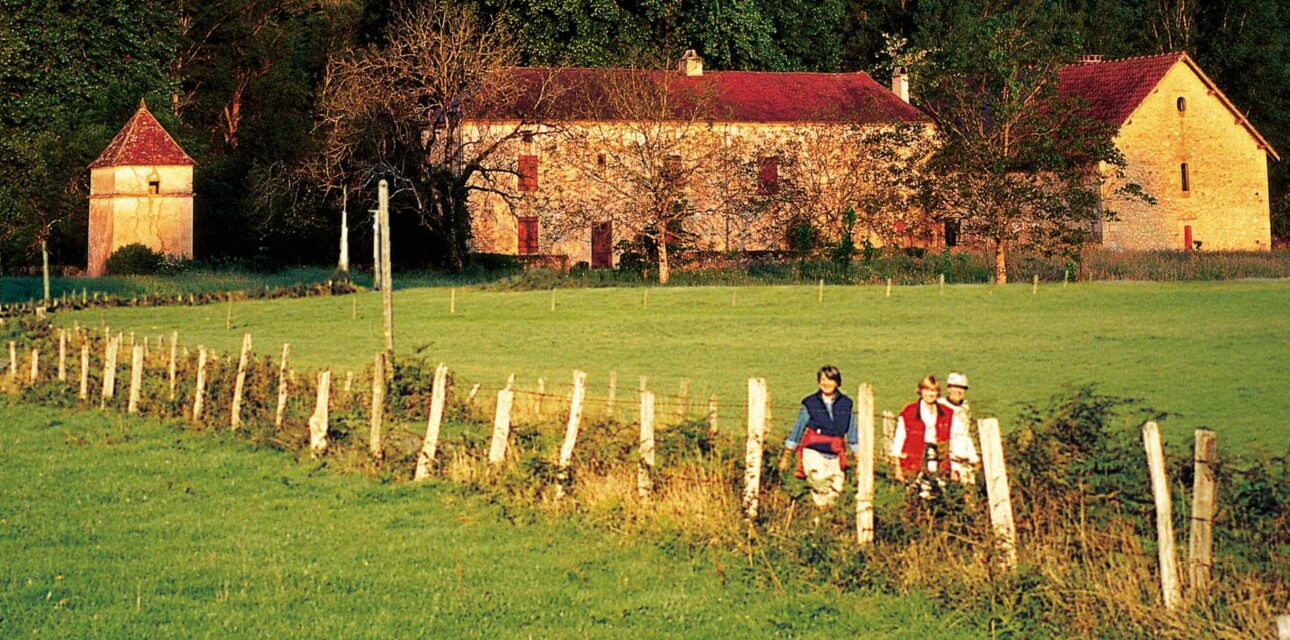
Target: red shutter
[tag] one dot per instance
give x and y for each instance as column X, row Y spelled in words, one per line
column 1187, row 243
column 528, row 236
column 528, row 173
column 767, row 176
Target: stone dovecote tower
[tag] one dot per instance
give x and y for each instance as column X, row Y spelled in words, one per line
column 141, row 191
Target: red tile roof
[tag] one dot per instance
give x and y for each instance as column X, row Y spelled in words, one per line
column 142, row 141
column 1115, row 88
column 737, row 96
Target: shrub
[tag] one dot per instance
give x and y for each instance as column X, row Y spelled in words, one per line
column 134, row 260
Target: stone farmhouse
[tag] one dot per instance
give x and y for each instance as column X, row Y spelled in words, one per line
column 1185, row 142
column 1188, row 146
column 141, row 191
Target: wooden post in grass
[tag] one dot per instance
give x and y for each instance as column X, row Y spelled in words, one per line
column 942, row 285
column 683, row 401
column 13, row 361
column 387, row 278
column 888, row 431
column 353, row 307
column 996, row 487
column 349, row 383
column 474, row 390
column 613, row 391
column 283, row 382
column 888, row 287
column 753, row 447
column 239, row 384
column 431, row 444
column 1200, row 556
column 170, row 369
column 1164, row 516
column 452, row 301
column 199, row 390
column 84, row 393
column 318, row 421
column 228, row 317
column 501, row 427
column 552, row 299
column 34, row 374
column 378, row 407
column 821, row 296
column 1283, row 627
column 645, row 470
column 62, row 355
column 537, row 401
column 1035, row 287
column 734, row 297
column 109, row 371
column 712, row 414
column 864, row 465
column 571, row 430
column 136, row 379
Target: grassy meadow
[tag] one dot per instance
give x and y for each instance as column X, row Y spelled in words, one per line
column 128, row 528
column 1208, row 354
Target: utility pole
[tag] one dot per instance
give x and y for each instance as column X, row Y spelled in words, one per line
column 343, row 267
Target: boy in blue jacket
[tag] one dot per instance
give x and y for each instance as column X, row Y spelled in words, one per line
column 824, row 432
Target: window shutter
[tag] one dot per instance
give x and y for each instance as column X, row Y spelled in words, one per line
column 528, row 167
column 767, row 176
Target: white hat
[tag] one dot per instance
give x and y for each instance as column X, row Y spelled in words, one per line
column 956, row 380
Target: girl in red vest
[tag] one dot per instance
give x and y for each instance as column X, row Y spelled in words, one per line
column 923, row 431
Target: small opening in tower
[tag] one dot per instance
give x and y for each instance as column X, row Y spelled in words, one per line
column 1182, row 104
column 154, row 186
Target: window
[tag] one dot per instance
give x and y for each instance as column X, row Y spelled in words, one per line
column 528, row 235
column 1182, row 104
column 673, row 170
column 1186, row 179
column 528, row 169
column 154, row 187
column 767, row 176
column 951, row 233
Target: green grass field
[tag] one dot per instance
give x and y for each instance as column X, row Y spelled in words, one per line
column 1210, row 354
column 127, row 528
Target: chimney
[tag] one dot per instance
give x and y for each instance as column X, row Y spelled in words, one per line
column 900, row 83
column 1091, row 58
column 691, row 64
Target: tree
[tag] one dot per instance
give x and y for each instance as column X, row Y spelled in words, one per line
column 1016, row 163
column 643, row 156
column 410, row 111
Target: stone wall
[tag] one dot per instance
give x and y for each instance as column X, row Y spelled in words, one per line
column 1226, row 204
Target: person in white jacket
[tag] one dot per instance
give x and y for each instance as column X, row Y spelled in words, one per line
column 963, row 456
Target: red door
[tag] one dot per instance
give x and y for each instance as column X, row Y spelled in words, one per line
column 602, row 245
column 528, row 236
column 1187, row 246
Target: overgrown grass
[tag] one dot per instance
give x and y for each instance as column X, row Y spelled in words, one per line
column 1210, row 354
column 115, row 527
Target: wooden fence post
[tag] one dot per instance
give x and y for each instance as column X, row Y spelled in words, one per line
column 318, row 421
column 170, row 370
column 864, row 465
column 13, row 361
column 712, row 415
column 283, row 381
column 888, row 287
column 537, row 401
column 753, row 448
column 1283, row 627
column 501, row 427
column 62, row 355
column 199, row 391
column 1164, row 515
column 1204, row 492
column 821, row 296
column 240, row 382
column 474, row 391
column 613, row 392
column 996, row 487
column 109, row 371
column 34, row 375
column 431, row 444
column 645, row 470
column 571, row 430
column 683, row 400
column 378, row 406
column 84, row 393
column 136, row 379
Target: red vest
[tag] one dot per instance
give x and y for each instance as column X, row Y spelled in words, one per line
column 915, row 432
